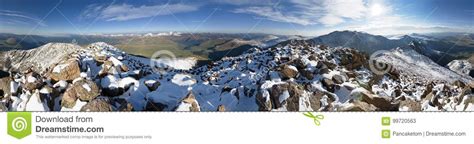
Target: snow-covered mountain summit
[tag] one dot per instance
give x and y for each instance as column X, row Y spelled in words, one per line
column 413, row 63
column 297, row 76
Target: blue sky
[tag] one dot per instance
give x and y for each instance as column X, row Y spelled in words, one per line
column 299, row 17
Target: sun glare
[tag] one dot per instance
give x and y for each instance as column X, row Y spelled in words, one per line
column 377, row 10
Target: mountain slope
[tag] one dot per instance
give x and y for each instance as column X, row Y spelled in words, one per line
column 40, row 58
column 362, row 41
column 439, row 50
column 411, row 62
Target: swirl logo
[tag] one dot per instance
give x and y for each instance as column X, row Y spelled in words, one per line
column 293, row 42
column 378, row 68
column 161, row 59
column 19, row 124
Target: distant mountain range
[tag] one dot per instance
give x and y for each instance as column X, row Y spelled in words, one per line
column 207, row 47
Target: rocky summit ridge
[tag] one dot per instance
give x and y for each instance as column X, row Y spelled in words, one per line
column 295, row 76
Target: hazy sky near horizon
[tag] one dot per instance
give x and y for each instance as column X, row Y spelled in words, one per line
column 293, row 17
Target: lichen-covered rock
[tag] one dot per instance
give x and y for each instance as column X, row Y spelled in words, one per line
column 289, row 71
column 68, row 71
column 69, row 98
column 86, row 90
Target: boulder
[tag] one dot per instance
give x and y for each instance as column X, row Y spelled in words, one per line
column 97, row 105
column 68, row 71
column 315, row 100
column 112, row 91
column 329, row 84
column 351, row 74
column 189, row 103
column 289, row 71
column 100, row 59
column 221, row 108
column 152, row 106
column 459, row 84
column 152, row 85
column 323, row 47
column 330, row 65
column 122, row 104
column 381, row 102
column 375, row 79
column 353, row 60
column 434, row 101
column 397, row 92
column 412, row 105
column 338, row 79
column 345, row 59
column 263, row 100
column 5, row 86
column 307, row 74
column 286, row 95
column 36, row 103
column 313, row 58
column 323, row 68
column 49, row 94
column 464, row 92
column 3, row 108
column 137, row 74
column 86, row 90
column 124, row 68
column 468, row 101
column 110, row 86
column 293, row 102
column 394, row 74
column 275, row 93
column 69, row 98
column 299, row 63
column 106, row 66
column 249, row 91
column 360, row 106
column 33, row 81
column 428, row 90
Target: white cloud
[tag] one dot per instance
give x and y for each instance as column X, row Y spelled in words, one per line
column 353, row 9
column 16, row 17
column 310, row 12
column 124, row 12
column 275, row 15
column 331, row 20
column 246, row 2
